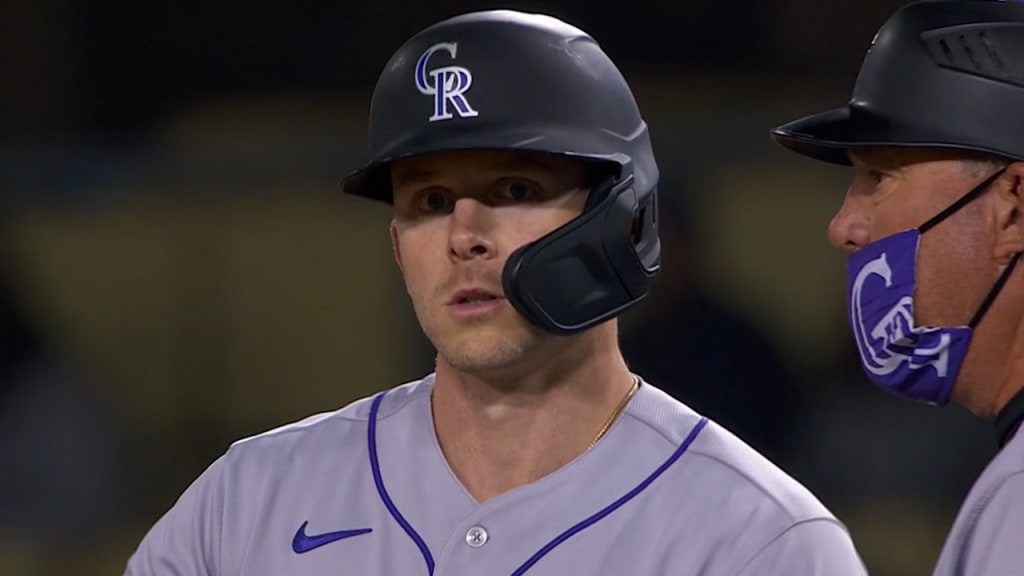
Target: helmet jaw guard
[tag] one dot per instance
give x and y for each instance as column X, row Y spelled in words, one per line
column 588, row 271
column 946, row 74
column 505, row 80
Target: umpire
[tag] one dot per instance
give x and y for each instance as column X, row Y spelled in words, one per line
column 933, row 229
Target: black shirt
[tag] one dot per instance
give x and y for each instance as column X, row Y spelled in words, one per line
column 1009, row 418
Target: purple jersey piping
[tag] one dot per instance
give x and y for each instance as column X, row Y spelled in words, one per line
column 382, row 491
column 596, row 517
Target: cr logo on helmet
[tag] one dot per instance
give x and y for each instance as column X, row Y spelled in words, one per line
column 447, row 84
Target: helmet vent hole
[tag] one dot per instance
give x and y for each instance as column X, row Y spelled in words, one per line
column 983, row 36
column 969, row 52
column 637, row 233
column 973, row 51
column 946, row 51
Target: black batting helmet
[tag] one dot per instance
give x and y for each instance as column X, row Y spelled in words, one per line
column 507, row 80
column 942, row 73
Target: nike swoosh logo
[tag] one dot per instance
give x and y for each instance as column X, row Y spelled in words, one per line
column 304, row 543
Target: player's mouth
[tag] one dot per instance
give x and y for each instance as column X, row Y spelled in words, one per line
column 474, row 302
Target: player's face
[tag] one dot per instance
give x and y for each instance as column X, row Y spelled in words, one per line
column 894, row 189
column 457, row 217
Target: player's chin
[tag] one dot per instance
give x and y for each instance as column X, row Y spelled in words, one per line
column 484, row 350
column 486, row 364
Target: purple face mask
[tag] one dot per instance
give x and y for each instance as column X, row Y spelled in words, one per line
column 920, row 362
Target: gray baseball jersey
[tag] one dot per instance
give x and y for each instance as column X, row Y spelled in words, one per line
column 366, row 490
column 987, row 536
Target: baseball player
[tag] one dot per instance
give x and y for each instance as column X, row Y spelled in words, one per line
column 932, row 221
column 522, row 184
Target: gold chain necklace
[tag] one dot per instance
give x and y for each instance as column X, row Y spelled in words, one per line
column 607, row 424
column 615, row 414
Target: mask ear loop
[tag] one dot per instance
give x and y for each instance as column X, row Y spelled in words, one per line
column 971, row 195
column 994, row 292
column 998, row 286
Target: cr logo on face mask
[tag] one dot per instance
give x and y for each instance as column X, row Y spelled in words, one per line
column 893, row 339
column 447, row 84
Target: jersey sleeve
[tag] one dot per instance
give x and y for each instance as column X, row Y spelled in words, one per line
column 994, row 545
column 185, row 540
column 818, row 547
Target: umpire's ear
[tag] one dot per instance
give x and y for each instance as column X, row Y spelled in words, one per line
column 1010, row 213
column 395, row 248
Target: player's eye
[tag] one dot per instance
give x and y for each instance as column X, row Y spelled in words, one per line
column 516, row 191
column 434, row 201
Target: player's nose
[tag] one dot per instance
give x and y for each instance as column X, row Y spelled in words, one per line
column 470, row 224
column 850, row 227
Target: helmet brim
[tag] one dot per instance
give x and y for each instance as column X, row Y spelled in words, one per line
column 828, row 136
column 373, row 181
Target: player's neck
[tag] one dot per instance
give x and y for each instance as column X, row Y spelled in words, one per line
column 497, row 437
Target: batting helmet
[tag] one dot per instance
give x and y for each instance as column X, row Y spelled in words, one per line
column 943, row 73
column 507, row 80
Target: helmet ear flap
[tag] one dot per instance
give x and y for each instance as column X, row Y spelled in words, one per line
column 590, row 269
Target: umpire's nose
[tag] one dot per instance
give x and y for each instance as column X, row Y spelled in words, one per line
column 471, row 221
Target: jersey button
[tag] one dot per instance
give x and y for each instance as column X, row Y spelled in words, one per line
column 476, row 537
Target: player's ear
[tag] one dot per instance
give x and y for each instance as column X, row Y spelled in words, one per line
column 395, row 247
column 1009, row 205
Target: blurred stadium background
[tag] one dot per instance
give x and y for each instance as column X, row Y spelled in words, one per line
column 178, row 269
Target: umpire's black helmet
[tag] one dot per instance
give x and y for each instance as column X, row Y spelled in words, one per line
column 507, row 80
column 942, row 73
